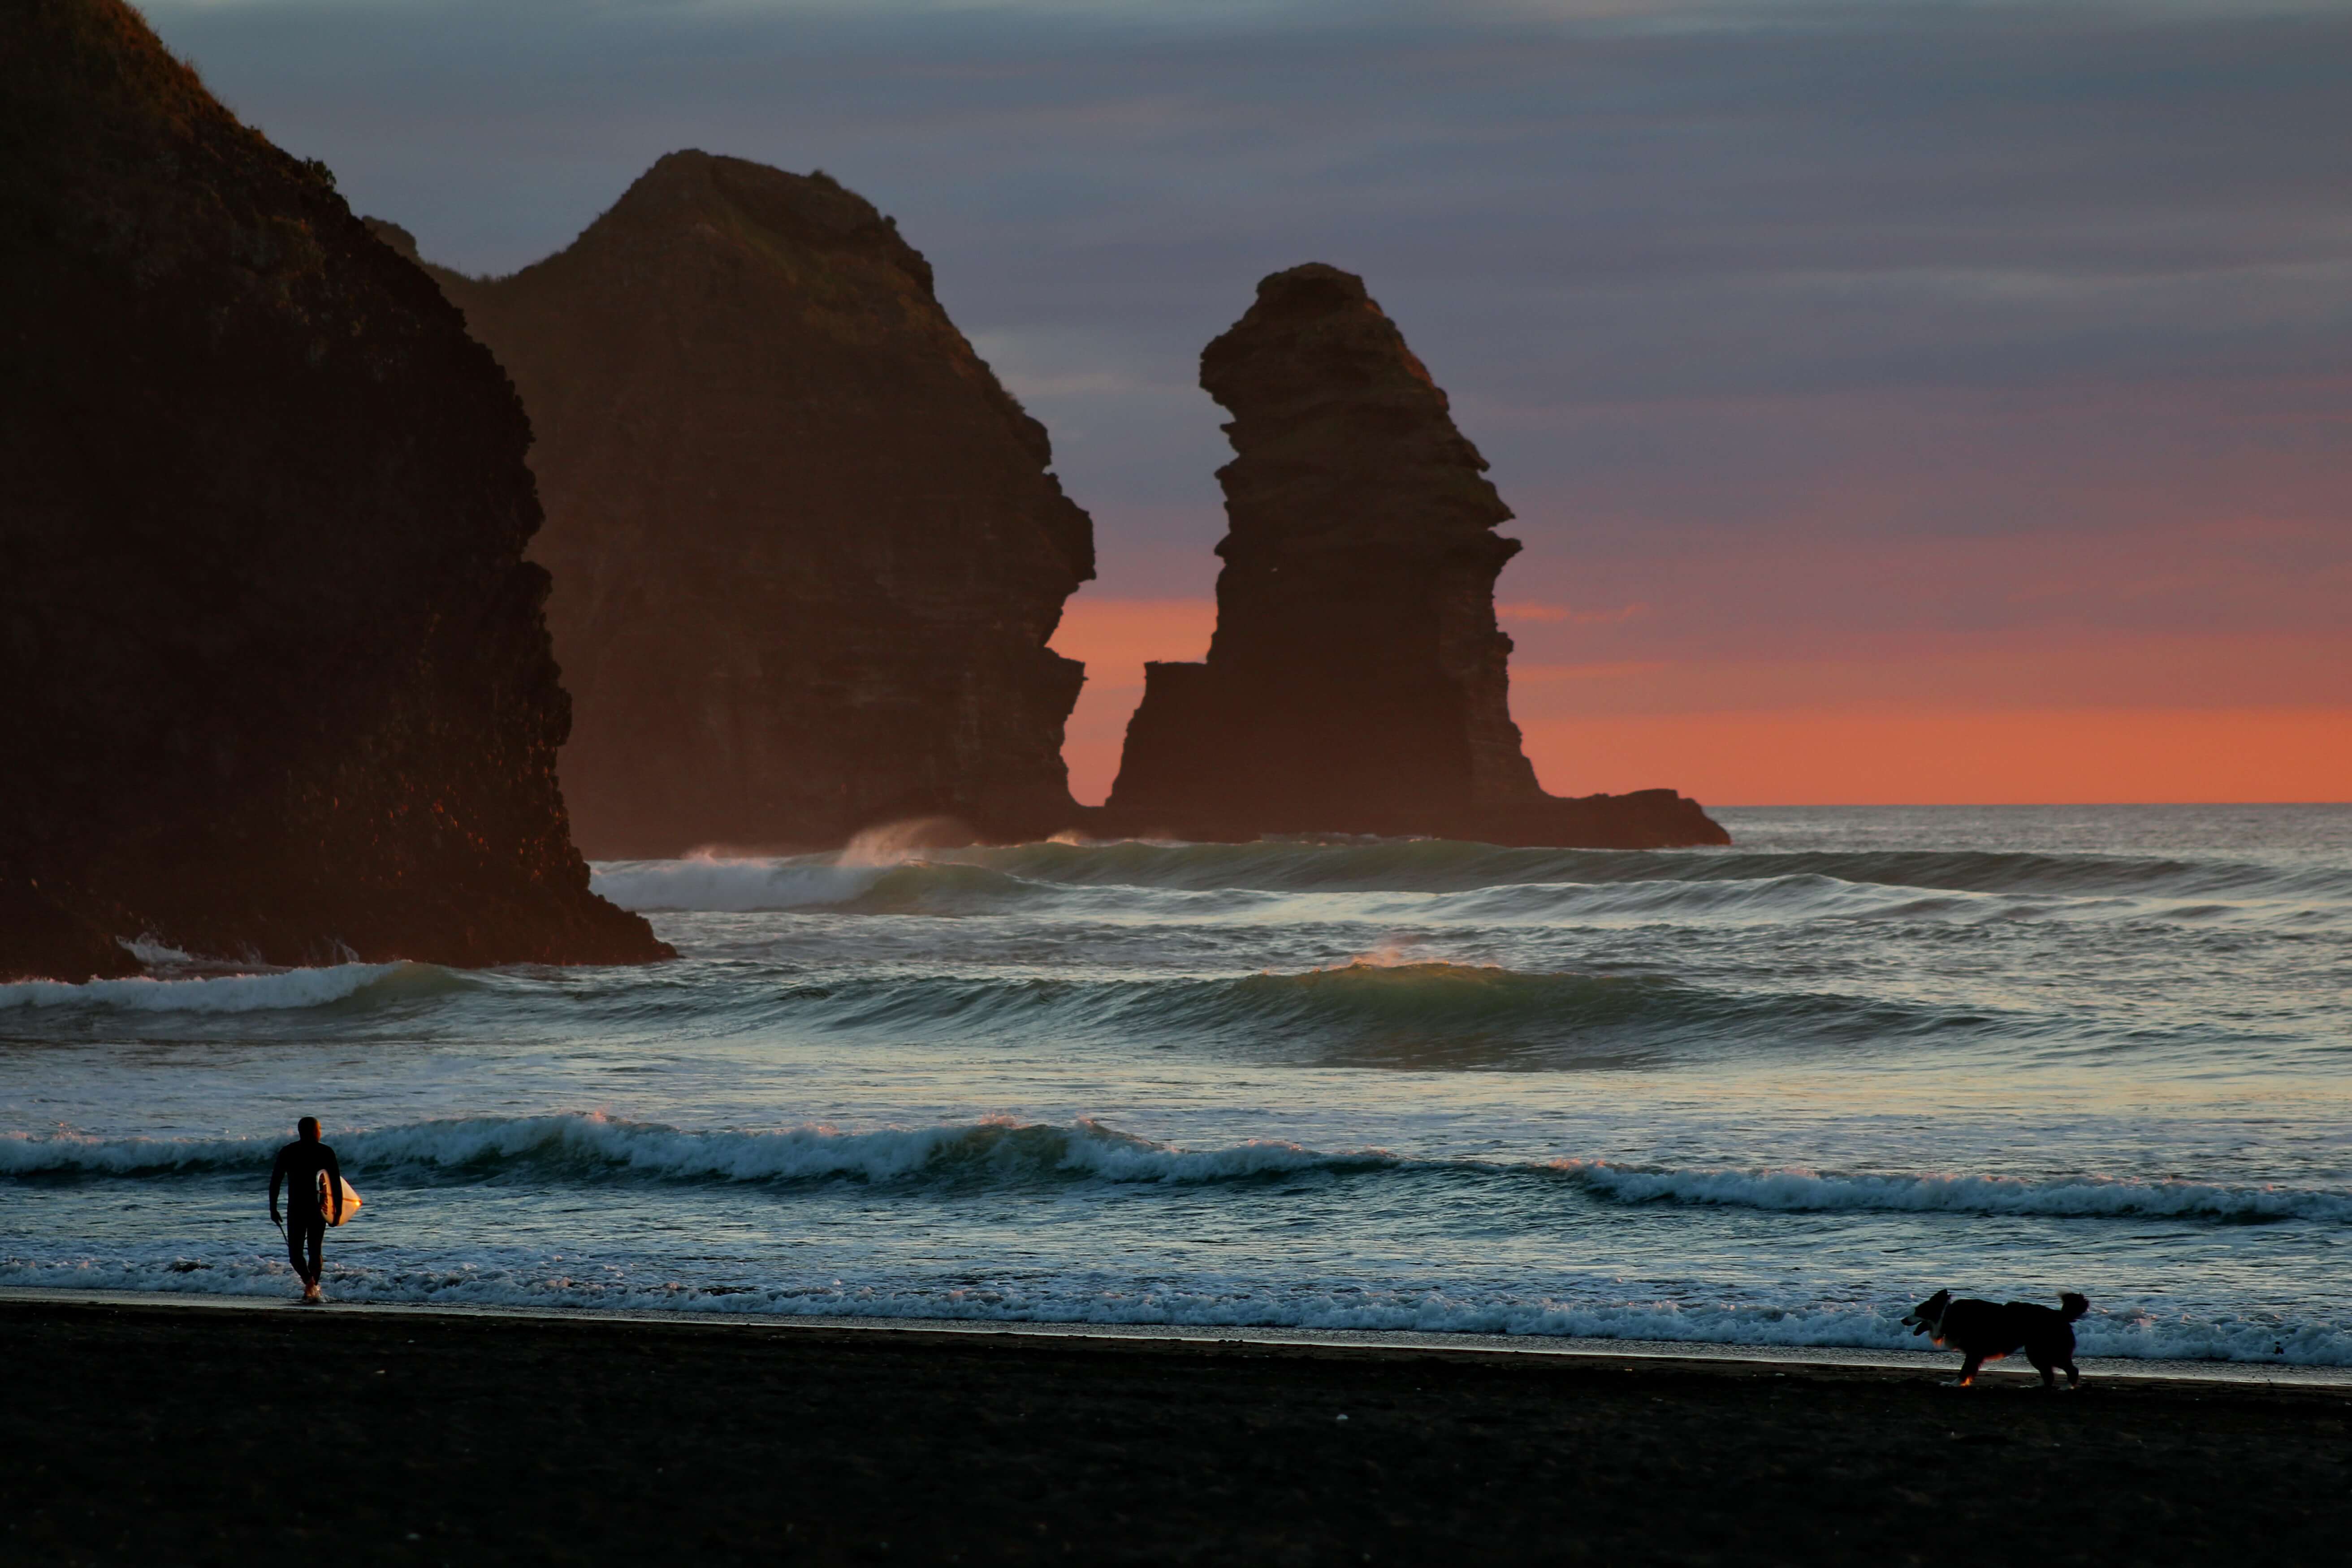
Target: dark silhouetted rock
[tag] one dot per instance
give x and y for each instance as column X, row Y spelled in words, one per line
column 275, row 677
column 807, row 551
column 1357, row 682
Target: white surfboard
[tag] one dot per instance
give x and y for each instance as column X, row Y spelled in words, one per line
column 327, row 1202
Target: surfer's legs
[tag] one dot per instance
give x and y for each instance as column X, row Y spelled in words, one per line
column 305, row 1236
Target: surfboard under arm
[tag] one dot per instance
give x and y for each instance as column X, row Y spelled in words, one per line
column 327, row 1202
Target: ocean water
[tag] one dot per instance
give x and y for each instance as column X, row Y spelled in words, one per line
column 1768, row 1095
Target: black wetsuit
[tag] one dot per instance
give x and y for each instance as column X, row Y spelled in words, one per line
column 299, row 1165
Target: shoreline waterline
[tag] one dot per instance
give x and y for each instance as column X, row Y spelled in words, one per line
column 1374, row 1344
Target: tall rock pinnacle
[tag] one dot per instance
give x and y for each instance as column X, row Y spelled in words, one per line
column 1358, row 681
column 277, row 681
column 807, row 551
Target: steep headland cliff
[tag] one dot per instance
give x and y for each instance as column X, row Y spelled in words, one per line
column 277, row 683
column 807, row 551
column 1357, row 682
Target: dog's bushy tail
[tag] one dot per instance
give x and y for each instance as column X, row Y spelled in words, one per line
column 2073, row 1305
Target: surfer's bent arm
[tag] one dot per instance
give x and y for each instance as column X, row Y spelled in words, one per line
column 334, row 1180
column 277, row 1174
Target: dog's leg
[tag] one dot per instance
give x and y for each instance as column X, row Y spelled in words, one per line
column 2042, row 1364
column 1968, row 1371
column 2074, row 1378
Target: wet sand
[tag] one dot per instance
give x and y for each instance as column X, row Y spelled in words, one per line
column 169, row 1433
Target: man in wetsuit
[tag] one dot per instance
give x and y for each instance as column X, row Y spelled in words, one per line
column 299, row 1165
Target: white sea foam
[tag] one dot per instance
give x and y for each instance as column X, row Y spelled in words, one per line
column 206, row 994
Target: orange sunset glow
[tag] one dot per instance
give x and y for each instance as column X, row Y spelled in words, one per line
column 1929, row 724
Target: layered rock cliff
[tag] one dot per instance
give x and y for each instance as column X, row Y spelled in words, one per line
column 807, row 551
column 275, row 677
column 1358, row 681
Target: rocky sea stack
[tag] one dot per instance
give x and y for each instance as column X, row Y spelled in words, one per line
column 277, row 685
column 807, row 551
column 1358, row 683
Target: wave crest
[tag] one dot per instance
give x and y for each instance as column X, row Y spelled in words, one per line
column 591, row 1146
column 2068, row 1198
column 277, row 990
column 1486, row 882
column 1431, row 1014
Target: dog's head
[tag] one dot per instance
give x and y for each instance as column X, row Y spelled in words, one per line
column 1927, row 1317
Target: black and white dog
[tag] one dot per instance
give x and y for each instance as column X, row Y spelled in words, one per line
column 1987, row 1330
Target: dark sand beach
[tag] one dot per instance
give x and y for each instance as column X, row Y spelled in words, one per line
column 163, row 1434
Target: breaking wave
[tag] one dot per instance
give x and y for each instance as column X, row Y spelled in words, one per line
column 732, row 886
column 1447, row 866
column 586, row 1147
column 590, row 1147
column 1484, row 882
column 2065, row 1197
column 1411, row 1015
column 1381, row 1010
column 276, row 990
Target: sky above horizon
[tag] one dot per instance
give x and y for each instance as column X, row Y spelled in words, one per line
column 1900, row 402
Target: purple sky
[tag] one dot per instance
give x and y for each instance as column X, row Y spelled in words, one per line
column 1924, row 356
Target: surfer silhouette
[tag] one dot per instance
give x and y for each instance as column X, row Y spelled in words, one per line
column 301, row 1165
